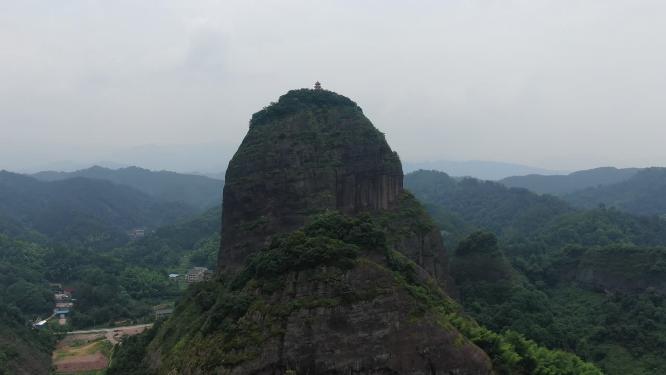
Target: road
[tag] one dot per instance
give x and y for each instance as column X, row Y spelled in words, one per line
column 113, row 334
column 104, row 330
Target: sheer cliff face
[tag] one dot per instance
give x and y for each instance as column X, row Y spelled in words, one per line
column 312, row 151
column 331, row 289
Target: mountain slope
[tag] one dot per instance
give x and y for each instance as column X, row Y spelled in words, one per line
column 79, row 209
column 604, row 265
column 327, row 265
column 23, row 297
column 563, row 184
column 642, row 194
column 484, row 170
column 197, row 191
column 485, row 204
column 22, row 351
column 197, row 239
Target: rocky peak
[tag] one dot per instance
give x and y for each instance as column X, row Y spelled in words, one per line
column 333, row 268
column 312, row 151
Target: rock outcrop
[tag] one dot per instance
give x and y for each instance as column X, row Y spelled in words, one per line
column 326, row 265
column 311, row 151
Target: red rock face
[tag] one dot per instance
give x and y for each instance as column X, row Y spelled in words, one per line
column 315, row 159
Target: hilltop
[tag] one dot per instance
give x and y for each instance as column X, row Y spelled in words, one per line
column 644, row 193
column 564, row 184
column 327, row 265
column 199, row 192
column 537, row 258
column 639, row 191
column 79, row 209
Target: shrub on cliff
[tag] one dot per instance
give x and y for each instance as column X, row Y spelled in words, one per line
column 297, row 100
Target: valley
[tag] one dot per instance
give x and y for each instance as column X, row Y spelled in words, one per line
column 332, row 188
column 547, row 251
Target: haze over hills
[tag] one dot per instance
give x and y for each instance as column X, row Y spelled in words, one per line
column 80, row 208
column 199, row 192
column 209, row 157
column 202, row 158
column 635, row 190
column 487, row 200
column 591, row 281
column 197, row 161
column 563, row 184
column 322, row 254
column 643, row 193
column 485, row 204
column 483, row 170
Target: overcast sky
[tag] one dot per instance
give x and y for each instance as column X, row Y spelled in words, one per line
column 557, row 84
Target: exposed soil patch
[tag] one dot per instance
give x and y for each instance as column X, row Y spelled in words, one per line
column 86, row 351
column 90, row 362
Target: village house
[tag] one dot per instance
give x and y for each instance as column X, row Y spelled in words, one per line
column 137, row 233
column 198, row 274
column 163, row 311
column 63, row 305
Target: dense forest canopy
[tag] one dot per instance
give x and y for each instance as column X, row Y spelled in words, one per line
column 110, row 282
column 79, row 210
column 522, row 262
column 587, row 281
column 632, row 190
column 195, row 191
column 564, row 184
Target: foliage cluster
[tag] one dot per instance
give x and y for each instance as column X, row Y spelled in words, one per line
column 642, row 194
column 586, row 281
column 109, row 285
column 79, row 211
column 24, row 296
column 330, row 239
column 485, row 204
column 510, row 352
column 214, row 325
column 299, row 100
column 129, row 357
column 196, row 191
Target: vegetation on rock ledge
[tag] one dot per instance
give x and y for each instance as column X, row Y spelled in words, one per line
column 215, row 325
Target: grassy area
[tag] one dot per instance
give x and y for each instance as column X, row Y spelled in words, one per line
column 83, row 347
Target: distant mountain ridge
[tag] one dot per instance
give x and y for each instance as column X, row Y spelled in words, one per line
column 564, row 184
column 480, row 169
column 639, row 191
column 644, row 193
column 580, row 269
column 200, row 192
column 323, row 253
column 485, row 204
column 79, row 208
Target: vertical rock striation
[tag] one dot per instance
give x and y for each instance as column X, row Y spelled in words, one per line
column 328, row 266
column 312, row 151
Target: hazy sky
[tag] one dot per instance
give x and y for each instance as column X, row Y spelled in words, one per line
column 558, row 84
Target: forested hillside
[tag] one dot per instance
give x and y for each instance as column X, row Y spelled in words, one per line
column 469, row 203
column 642, row 194
column 118, row 284
column 79, row 210
column 199, row 192
column 23, row 297
column 564, row 184
column 589, row 281
column 632, row 190
column 126, row 281
column 327, row 265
